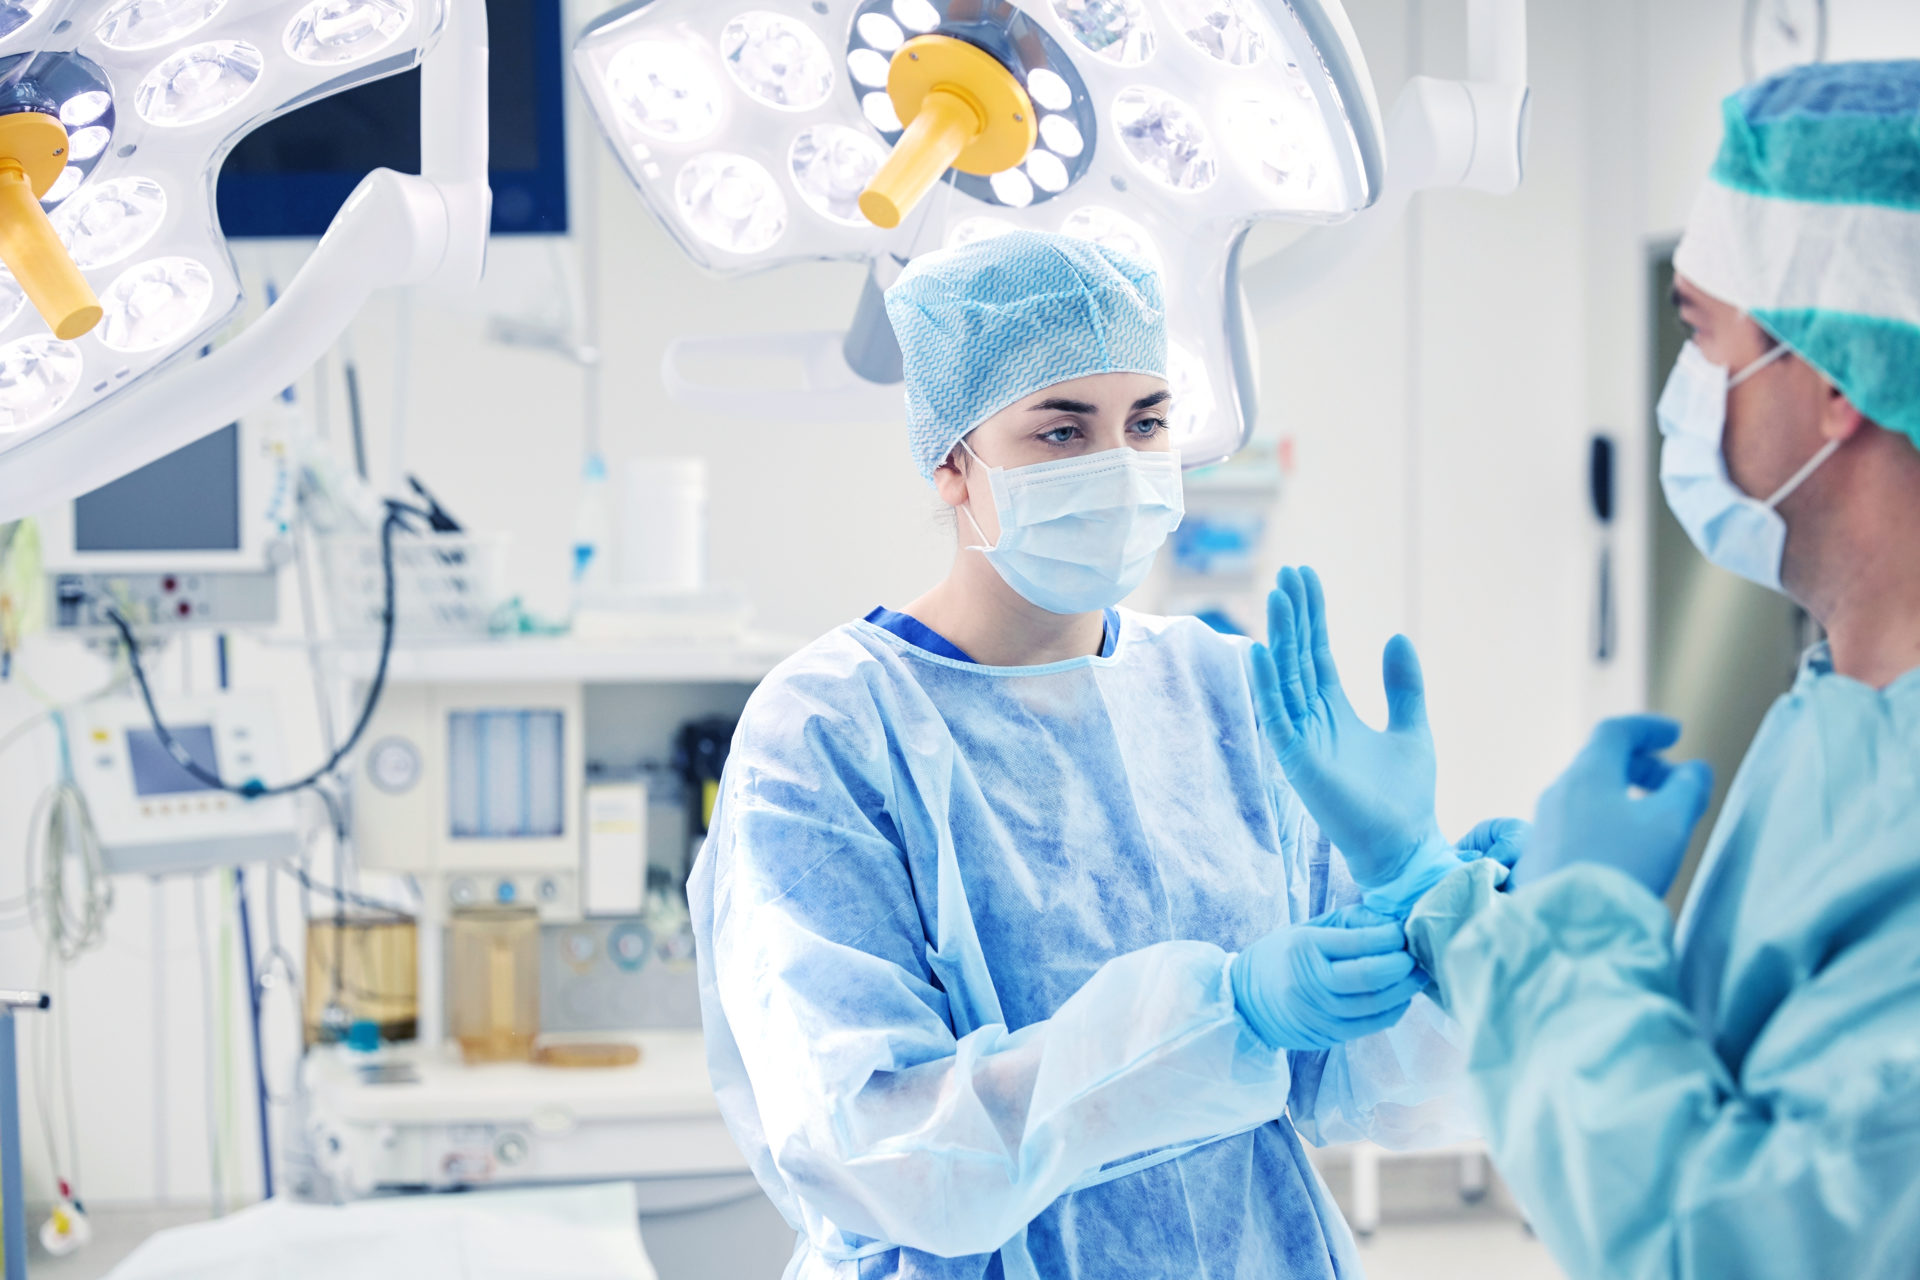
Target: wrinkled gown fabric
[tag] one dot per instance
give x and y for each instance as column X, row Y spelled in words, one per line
column 964, row 935
column 1740, row 1097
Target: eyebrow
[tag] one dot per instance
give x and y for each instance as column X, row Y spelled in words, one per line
column 1083, row 408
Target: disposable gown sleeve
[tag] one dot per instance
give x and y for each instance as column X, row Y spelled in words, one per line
column 1404, row 1088
column 1636, row 1153
column 882, row 1128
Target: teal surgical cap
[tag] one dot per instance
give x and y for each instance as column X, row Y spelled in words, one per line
column 984, row 326
column 1811, row 224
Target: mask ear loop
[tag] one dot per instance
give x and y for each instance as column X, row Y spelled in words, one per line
column 966, row 509
column 1780, row 352
column 1801, row 476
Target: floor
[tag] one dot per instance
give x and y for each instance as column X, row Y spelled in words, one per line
column 1426, row 1232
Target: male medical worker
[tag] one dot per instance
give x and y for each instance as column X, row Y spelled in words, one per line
column 1740, row 1098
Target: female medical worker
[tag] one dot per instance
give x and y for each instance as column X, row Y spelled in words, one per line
column 969, row 913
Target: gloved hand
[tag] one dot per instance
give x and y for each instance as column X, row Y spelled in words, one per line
column 1590, row 815
column 1313, row 986
column 1502, row 839
column 1371, row 792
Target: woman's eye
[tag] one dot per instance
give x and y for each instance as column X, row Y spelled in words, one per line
column 1150, row 426
column 1060, row 435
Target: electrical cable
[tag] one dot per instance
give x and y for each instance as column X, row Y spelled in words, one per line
column 397, row 513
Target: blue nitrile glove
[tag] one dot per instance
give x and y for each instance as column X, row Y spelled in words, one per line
column 1312, row 986
column 1590, row 814
column 1501, row 839
column 1371, row 792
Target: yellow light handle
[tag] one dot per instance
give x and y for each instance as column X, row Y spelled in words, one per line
column 947, row 125
column 33, row 252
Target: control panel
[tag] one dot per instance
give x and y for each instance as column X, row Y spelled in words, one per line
column 166, row 601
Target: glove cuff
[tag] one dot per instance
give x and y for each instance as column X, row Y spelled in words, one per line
column 1429, row 865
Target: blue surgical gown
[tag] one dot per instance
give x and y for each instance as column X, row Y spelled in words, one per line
column 963, row 937
column 1740, row 1097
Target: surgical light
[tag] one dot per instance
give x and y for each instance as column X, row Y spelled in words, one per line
column 37, row 376
column 148, row 24
column 777, row 60
column 115, row 114
column 199, row 83
column 1228, row 30
column 327, row 32
column 151, row 305
column 111, row 221
column 832, row 165
column 1161, row 128
column 663, row 94
column 731, row 202
column 1117, row 30
column 1166, row 137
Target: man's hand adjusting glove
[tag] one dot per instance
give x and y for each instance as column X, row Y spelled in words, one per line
column 1372, row 792
column 1312, row 986
column 1592, row 814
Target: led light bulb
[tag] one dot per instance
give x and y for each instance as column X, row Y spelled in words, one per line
column 1013, row 188
column 63, row 186
column 147, row 24
column 1166, row 138
column 1115, row 231
column 111, row 220
column 777, row 60
column 154, row 304
column 1117, row 30
column 84, row 108
column 87, row 143
column 869, row 68
column 198, row 83
column 917, row 16
column 664, row 91
column 731, row 202
column 37, row 374
column 1049, row 89
column 878, row 109
column 1276, row 142
column 1048, row 171
column 333, row 31
column 969, row 230
column 1061, row 135
column 832, row 165
column 1224, row 29
column 880, row 31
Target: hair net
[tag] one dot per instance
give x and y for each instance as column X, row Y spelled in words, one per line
column 985, row 325
column 1811, row 223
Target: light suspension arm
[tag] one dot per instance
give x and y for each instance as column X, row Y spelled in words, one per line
column 394, row 230
column 1440, row 133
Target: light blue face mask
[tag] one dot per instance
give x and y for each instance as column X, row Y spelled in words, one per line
column 1079, row 535
column 1741, row 534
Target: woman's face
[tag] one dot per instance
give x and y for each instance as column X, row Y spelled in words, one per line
column 1067, row 420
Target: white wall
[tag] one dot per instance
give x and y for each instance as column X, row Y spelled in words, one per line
column 1439, row 398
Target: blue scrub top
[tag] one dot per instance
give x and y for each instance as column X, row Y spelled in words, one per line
column 921, row 636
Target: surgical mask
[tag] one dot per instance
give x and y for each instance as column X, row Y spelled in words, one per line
column 1741, row 534
column 1078, row 535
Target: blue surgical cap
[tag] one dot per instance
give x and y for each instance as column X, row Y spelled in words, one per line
column 984, row 326
column 1811, row 224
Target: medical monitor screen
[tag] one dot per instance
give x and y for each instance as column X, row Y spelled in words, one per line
column 187, row 501
column 288, row 177
column 157, row 773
